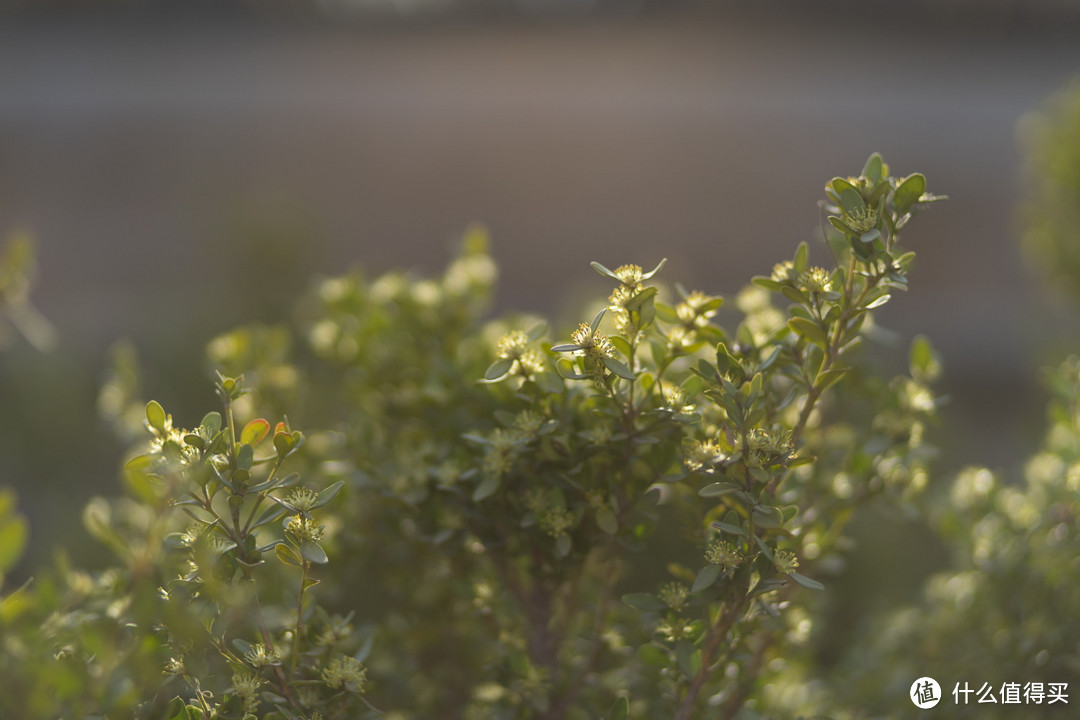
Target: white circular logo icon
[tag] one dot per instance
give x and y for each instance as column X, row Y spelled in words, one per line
column 925, row 692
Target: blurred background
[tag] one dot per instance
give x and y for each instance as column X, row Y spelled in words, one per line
column 183, row 170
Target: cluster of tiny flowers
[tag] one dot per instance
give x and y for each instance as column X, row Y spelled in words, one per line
column 674, row 398
column 303, row 499
column 536, row 500
column 861, row 219
column 785, row 561
column 680, row 339
column 221, row 545
column 307, row 696
column 470, row 275
column 187, row 454
column 674, row 595
column 345, row 673
column 762, row 319
column 192, row 534
column 595, row 499
column 246, row 686
column 765, row 448
column 336, row 290
column 447, row 472
column 515, row 346
column 528, row 423
column 704, row 454
column 691, row 311
column 630, row 275
column 511, row 345
column 593, row 345
column 337, row 630
column 918, row 397
column 259, row 656
column 304, row 529
column 814, row 280
column 175, row 666
column 556, row 521
column 784, row 272
column 501, row 452
column 529, row 364
column 675, row 630
column 483, row 595
column 535, row 683
column 722, row 553
column 617, row 305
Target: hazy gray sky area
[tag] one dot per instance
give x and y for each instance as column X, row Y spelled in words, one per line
column 163, row 163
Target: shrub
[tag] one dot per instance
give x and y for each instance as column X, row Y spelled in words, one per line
column 1000, row 621
column 485, row 520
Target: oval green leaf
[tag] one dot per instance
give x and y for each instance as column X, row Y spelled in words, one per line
column 254, row 432
column 646, row 602
column 806, row 582
column 287, row 555
column 908, row 192
column 809, row 330
column 563, row 543
column 605, row 520
column 313, row 552
column 706, row 578
column 728, row 528
column 155, row 415
column 328, row 494
column 717, row 489
column 619, row 368
column 499, row 368
column 620, row 710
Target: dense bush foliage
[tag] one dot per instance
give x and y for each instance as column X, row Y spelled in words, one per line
column 487, row 520
column 1004, row 615
column 1002, row 618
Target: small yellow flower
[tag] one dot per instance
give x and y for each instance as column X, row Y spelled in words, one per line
column 536, row 500
column 785, row 561
column 259, row 656
column 784, row 271
column 593, row 344
column 766, row 448
column 303, row 499
column 704, row 454
column 617, row 303
column 304, row 529
column 530, row 363
column 629, row 275
column 512, row 345
column 723, row 553
column 501, row 453
column 680, row 339
column 175, row 666
column 814, row 280
column 861, row 219
column 528, row 423
column 674, row 595
column 345, row 673
column 556, row 521
column 192, row 534
column 674, row 398
column 246, row 686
